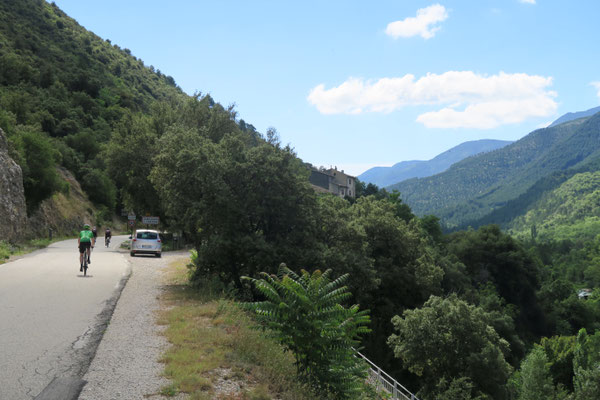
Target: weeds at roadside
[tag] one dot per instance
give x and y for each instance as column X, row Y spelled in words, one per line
column 216, row 350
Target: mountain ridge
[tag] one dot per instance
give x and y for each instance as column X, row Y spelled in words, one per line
column 475, row 186
column 575, row 115
column 385, row 176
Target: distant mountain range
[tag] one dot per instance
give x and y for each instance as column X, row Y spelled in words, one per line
column 571, row 116
column 385, row 176
column 473, row 188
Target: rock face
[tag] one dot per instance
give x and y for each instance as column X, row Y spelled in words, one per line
column 13, row 212
column 64, row 213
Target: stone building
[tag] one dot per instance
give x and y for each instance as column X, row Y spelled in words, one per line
column 333, row 181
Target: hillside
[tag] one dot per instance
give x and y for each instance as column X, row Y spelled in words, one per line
column 570, row 116
column 530, row 200
column 571, row 211
column 475, row 186
column 385, row 176
column 63, row 91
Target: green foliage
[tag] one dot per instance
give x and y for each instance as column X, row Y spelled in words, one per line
column 99, row 187
column 587, row 351
column 536, row 382
column 431, row 225
column 5, row 251
column 569, row 212
column 510, row 213
column 474, row 187
column 492, row 256
column 559, row 351
column 565, row 312
column 306, row 313
column 587, row 384
column 559, row 360
column 129, row 159
column 243, row 207
column 450, row 339
column 58, row 78
column 37, row 157
column 345, row 245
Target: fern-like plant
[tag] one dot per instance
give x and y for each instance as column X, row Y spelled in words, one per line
column 305, row 311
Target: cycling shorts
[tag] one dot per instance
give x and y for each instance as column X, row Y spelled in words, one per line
column 83, row 246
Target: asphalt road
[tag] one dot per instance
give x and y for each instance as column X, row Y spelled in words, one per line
column 52, row 317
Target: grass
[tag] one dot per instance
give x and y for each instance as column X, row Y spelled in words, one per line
column 7, row 250
column 215, row 344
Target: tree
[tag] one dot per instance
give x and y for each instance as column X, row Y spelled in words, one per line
column 129, row 160
column 345, row 246
column 536, row 382
column 405, row 264
column 100, row 188
column 37, row 158
column 450, row 339
column 431, row 225
column 586, row 366
column 244, row 208
column 493, row 256
column 559, row 352
column 306, row 313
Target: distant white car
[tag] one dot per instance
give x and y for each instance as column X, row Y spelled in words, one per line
column 145, row 241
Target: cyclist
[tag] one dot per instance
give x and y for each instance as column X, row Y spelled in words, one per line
column 95, row 232
column 85, row 241
column 107, row 236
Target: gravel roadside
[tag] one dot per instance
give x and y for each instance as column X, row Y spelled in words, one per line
column 126, row 363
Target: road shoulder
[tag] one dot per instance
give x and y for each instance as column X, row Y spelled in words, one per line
column 126, row 365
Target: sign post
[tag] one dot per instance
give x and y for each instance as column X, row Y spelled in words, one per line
column 131, row 221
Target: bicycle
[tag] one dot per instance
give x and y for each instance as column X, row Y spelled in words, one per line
column 85, row 262
column 107, row 241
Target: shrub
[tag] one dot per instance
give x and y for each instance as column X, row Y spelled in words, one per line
column 306, row 314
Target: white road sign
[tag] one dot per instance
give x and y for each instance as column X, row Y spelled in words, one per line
column 150, row 220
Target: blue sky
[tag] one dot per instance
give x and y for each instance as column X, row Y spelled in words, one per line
column 356, row 84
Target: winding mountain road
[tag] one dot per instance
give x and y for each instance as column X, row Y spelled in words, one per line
column 52, row 317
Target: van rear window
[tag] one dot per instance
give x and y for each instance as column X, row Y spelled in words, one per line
column 147, row 235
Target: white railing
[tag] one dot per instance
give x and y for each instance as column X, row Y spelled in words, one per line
column 382, row 381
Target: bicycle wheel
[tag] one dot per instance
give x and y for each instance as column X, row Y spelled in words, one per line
column 85, row 265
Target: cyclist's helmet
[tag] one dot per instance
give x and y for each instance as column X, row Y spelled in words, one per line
column 86, row 226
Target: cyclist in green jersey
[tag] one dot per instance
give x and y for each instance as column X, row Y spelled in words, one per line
column 85, row 241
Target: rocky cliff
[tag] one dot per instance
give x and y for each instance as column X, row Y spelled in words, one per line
column 64, row 213
column 13, row 212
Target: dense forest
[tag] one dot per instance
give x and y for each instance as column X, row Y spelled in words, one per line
column 473, row 314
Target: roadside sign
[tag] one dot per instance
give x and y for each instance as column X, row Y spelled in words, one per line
column 132, row 222
column 150, row 220
column 131, row 217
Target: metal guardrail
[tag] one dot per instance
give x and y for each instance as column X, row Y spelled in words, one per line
column 383, row 381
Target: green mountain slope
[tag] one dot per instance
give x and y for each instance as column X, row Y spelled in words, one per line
column 571, row 211
column 384, row 176
column 476, row 186
column 506, row 214
column 63, row 90
column 575, row 115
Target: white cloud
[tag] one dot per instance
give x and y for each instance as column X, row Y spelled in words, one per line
column 470, row 100
column 597, row 86
column 423, row 24
column 527, row 1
